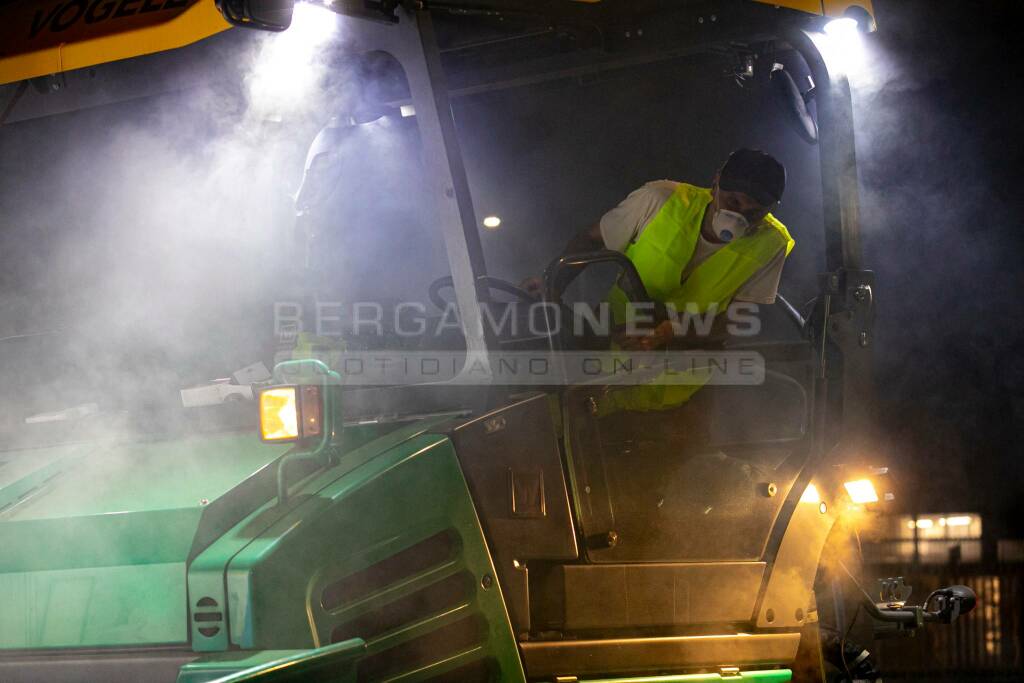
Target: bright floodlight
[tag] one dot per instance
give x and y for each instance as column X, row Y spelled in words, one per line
column 407, row 110
column 290, row 63
column 861, row 491
column 842, row 46
column 838, row 27
column 492, row 222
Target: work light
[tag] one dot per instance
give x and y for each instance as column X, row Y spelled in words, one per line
column 861, row 491
column 290, row 413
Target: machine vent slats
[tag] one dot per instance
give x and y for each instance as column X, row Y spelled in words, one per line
column 208, row 617
column 433, row 599
column 414, row 559
column 477, row 671
column 442, row 643
column 417, row 609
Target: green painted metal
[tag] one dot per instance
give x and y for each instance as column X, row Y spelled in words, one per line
column 206, row 574
column 95, row 552
column 155, row 475
column 93, row 606
column 25, row 472
column 769, row 676
column 329, row 664
column 375, row 503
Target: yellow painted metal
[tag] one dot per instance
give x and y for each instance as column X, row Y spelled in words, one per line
column 809, row 6
column 546, row 658
column 37, row 39
column 791, row 583
column 828, row 8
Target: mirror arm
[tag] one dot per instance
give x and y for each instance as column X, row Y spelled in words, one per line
column 289, row 458
column 322, row 450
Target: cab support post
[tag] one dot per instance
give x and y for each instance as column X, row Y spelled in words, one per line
column 844, row 318
column 411, row 41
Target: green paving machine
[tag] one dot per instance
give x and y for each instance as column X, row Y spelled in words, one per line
column 299, row 525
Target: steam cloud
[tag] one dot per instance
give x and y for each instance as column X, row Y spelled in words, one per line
column 155, row 234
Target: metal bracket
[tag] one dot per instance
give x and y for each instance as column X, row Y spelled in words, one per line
column 852, row 310
column 894, row 592
column 847, row 316
column 384, row 11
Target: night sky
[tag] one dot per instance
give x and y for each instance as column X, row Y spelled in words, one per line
column 950, row 325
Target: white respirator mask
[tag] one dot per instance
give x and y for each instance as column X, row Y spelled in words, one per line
column 728, row 225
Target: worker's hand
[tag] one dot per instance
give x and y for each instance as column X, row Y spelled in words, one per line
column 647, row 340
column 534, row 286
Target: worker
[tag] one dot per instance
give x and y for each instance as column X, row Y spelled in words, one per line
column 694, row 247
column 696, row 250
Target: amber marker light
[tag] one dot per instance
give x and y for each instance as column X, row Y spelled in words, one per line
column 279, row 414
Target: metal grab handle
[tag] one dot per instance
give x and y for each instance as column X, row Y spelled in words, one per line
column 562, row 271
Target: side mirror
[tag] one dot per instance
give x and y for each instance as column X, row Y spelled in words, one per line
column 943, row 606
column 794, row 103
column 948, row 604
column 266, row 15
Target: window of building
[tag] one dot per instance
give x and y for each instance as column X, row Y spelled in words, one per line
column 930, row 539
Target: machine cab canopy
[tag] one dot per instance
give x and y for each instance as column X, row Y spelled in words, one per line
column 41, row 39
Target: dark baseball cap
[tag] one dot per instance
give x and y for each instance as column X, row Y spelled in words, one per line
column 755, row 173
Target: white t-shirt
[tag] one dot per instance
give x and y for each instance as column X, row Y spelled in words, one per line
column 623, row 225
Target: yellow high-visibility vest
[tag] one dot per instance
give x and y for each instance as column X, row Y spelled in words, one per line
column 668, row 242
column 660, row 255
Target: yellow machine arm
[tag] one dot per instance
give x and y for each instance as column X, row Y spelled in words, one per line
column 825, row 8
column 42, row 38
